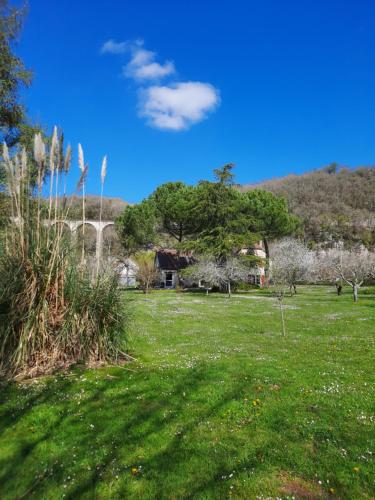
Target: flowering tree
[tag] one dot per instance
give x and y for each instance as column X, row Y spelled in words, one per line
column 232, row 271
column 205, row 272
column 352, row 267
column 210, row 273
column 291, row 263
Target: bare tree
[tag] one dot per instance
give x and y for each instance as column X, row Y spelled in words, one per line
column 291, row 263
column 280, row 291
column 352, row 267
column 325, row 269
column 146, row 273
column 210, row 273
column 205, row 272
column 232, row 271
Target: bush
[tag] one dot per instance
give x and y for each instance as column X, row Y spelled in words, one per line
column 54, row 309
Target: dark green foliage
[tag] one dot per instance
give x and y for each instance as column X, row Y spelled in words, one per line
column 174, row 204
column 217, row 205
column 224, row 175
column 268, row 215
column 332, row 168
column 136, row 226
column 13, row 74
column 223, row 225
column 14, row 126
column 209, row 218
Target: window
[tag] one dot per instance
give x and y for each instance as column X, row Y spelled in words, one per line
column 254, row 279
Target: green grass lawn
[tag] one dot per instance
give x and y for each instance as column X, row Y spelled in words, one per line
column 217, row 405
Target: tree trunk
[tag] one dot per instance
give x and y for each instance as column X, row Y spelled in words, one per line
column 282, row 318
column 355, row 292
column 229, row 289
column 267, row 266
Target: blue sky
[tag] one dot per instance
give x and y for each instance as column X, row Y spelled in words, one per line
column 274, row 86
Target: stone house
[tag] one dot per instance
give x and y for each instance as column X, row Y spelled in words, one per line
column 169, row 263
column 257, row 275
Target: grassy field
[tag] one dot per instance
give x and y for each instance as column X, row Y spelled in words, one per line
column 218, row 405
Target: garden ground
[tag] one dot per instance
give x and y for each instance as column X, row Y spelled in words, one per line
column 217, row 405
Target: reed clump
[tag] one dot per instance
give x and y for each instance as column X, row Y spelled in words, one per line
column 55, row 308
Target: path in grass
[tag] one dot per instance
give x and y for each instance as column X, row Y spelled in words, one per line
column 218, row 405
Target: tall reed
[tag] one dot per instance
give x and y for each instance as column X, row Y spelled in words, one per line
column 52, row 314
column 103, row 174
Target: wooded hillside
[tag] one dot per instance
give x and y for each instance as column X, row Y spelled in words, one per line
column 333, row 204
column 112, row 207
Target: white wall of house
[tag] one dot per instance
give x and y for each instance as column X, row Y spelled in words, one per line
column 127, row 273
column 257, row 250
column 256, row 276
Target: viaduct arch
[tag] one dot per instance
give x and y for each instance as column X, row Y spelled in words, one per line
column 99, row 227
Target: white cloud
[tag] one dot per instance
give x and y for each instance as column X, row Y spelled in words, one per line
column 112, row 47
column 142, row 65
column 178, row 106
column 153, row 71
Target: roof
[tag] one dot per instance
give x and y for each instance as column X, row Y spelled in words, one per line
column 171, row 260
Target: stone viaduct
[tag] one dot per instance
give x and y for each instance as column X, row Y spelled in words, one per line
column 99, row 227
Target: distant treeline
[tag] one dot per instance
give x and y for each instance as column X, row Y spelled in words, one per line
column 334, row 203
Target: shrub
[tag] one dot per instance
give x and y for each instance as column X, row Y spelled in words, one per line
column 55, row 309
column 146, row 274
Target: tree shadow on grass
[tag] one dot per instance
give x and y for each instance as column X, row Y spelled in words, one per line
column 144, row 420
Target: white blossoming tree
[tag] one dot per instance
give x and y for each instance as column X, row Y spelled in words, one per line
column 209, row 273
column 353, row 267
column 232, row 271
column 205, row 273
column 291, row 263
